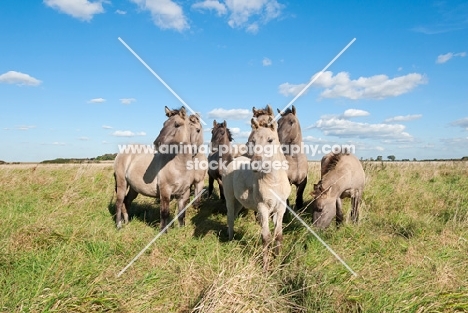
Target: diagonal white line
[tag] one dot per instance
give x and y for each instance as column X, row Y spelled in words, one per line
column 316, row 236
column 315, row 78
column 159, row 78
column 159, row 234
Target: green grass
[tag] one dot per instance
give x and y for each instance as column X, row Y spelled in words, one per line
column 60, row 251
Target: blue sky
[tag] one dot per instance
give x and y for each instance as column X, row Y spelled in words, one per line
column 70, row 88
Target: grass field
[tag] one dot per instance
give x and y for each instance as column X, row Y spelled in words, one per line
column 60, row 251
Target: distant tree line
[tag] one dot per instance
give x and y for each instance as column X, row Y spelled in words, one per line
column 104, row 157
column 379, row 158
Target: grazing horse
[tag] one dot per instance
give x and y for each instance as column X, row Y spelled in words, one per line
column 159, row 174
column 290, row 136
column 342, row 177
column 256, row 183
column 220, row 137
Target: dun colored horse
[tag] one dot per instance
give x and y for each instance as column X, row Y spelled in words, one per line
column 220, row 142
column 342, row 177
column 256, row 183
column 290, row 137
column 164, row 173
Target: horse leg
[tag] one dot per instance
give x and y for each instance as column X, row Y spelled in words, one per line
column 121, row 190
column 181, row 206
column 278, row 232
column 210, row 185
column 131, row 195
column 198, row 189
column 339, row 213
column 263, row 219
column 221, row 189
column 355, row 200
column 299, row 193
column 164, row 202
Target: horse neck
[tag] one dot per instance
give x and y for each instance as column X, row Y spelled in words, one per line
column 274, row 176
column 332, row 178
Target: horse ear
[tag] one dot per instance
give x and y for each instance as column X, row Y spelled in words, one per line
column 214, row 123
column 293, row 110
column 168, row 111
column 182, row 111
column 279, row 111
column 253, row 110
column 269, row 110
column 224, row 124
column 254, row 123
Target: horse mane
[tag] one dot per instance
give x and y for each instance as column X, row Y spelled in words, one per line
column 175, row 111
column 266, row 111
column 331, row 161
column 287, row 111
column 194, row 118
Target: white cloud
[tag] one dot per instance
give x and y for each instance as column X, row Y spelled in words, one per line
column 266, row 62
column 25, row 127
column 242, row 10
column 13, row 77
column 80, row 9
column 312, row 139
column 288, row 89
column 120, row 12
column 374, row 87
column 97, row 100
column 83, row 138
column 458, row 143
column 106, row 127
column 166, row 14
column 244, row 14
column 403, row 118
column 463, row 123
column 354, row 113
column 445, row 57
column 214, row 5
column 235, row 114
column 127, row 100
column 344, row 128
column 127, row 133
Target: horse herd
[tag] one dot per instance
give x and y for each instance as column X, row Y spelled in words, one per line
column 256, row 176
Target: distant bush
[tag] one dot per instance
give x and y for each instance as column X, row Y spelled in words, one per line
column 2, row 162
column 106, row 157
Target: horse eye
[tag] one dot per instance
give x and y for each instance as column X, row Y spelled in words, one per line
column 198, row 130
column 270, row 140
column 177, row 125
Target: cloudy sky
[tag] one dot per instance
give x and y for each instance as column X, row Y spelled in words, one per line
column 70, row 88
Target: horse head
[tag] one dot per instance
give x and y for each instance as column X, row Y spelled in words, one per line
column 196, row 130
column 323, row 205
column 175, row 129
column 264, row 145
column 289, row 129
column 220, row 135
column 263, row 115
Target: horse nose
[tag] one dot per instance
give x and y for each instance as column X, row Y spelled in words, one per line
column 256, row 158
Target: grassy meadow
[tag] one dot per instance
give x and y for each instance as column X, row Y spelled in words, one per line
column 60, row 250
